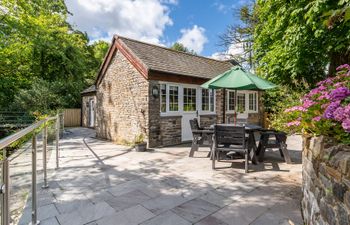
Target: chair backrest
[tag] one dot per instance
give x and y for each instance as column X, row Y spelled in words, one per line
column 194, row 124
column 230, row 135
column 242, row 121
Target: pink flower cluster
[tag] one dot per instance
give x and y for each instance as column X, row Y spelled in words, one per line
column 296, row 108
column 342, row 115
column 293, row 123
column 330, row 100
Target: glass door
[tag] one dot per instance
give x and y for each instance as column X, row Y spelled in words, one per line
column 189, row 111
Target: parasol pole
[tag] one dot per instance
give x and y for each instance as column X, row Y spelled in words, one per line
column 235, row 115
column 224, row 106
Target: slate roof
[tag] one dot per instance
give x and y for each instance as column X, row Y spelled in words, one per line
column 161, row 59
column 90, row 89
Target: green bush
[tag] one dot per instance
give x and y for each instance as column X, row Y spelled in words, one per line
column 277, row 101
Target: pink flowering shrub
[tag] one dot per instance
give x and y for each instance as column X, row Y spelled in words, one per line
column 325, row 110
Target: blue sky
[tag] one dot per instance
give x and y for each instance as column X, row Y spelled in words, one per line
column 195, row 23
column 213, row 16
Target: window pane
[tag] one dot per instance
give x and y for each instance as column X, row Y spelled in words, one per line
column 231, row 100
column 212, row 92
column 189, row 99
column 173, row 98
column 240, row 102
column 253, row 101
column 205, row 99
column 163, row 98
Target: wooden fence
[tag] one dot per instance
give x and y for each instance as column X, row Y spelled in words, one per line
column 72, row 117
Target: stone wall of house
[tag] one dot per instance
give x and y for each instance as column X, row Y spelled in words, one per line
column 85, row 109
column 219, row 106
column 163, row 130
column 326, row 183
column 170, row 130
column 207, row 120
column 122, row 102
column 154, row 138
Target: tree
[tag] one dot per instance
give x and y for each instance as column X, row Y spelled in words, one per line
column 240, row 35
column 37, row 43
column 97, row 50
column 180, row 47
column 292, row 43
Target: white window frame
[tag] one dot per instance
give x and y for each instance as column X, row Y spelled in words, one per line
column 180, row 100
column 257, row 101
column 208, row 112
column 246, row 101
column 168, row 98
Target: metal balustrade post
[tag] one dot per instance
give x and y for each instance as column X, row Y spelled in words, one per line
column 45, row 156
column 5, row 191
column 62, row 121
column 57, row 140
column 34, row 197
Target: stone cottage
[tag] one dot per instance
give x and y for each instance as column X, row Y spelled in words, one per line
column 147, row 89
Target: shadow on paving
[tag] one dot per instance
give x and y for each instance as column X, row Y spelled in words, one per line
column 103, row 183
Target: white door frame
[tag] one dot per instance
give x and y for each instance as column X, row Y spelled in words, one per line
column 91, row 112
column 186, row 134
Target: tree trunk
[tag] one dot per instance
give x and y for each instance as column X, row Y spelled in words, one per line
column 337, row 59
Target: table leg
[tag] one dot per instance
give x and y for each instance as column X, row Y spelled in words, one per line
column 194, row 146
column 263, row 141
column 252, row 148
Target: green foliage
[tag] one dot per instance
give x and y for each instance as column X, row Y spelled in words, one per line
column 43, row 96
column 292, row 43
column 276, row 101
column 139, row 139
column 36, row 43
column 180, row 47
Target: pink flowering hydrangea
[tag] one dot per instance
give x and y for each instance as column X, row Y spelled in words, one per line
column 293, row 123
column 346, row 125
column 317, row 118
column 295, row 108
column 326, row 108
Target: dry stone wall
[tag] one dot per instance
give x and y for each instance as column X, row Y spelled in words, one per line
column 326, row 182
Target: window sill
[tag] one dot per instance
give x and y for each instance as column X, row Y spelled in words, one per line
column 207, row 113
column 170, row 115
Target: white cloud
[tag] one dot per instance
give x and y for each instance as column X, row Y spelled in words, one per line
column 222, row 7
column 235, row 51
column 172, row 2
column 194, row 38
column 139, row 19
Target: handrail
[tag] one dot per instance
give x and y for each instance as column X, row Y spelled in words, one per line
column 18, row 135
column 5, row 174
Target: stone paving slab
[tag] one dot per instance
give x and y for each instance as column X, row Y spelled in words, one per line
column 131, row 216
column 211, row 220
column 163, row 203
column 127, row 200
column 195, row 210
column 167, row 218
column 101, row 183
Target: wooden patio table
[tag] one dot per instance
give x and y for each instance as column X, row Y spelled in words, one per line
column 252, row 148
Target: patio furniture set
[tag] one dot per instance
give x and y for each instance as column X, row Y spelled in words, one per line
column 237, row 139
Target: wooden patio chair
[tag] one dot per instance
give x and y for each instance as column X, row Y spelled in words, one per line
column 228, row 139
column 199, row 135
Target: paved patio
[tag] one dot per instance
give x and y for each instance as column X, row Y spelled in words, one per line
column 107, row 184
